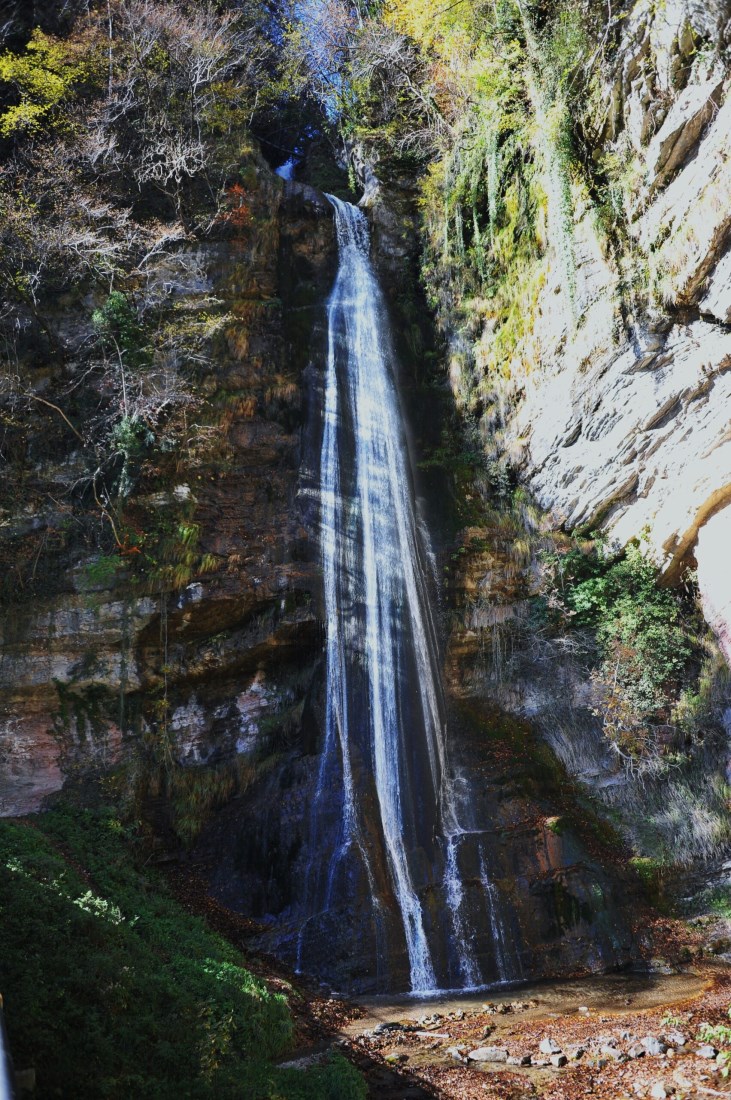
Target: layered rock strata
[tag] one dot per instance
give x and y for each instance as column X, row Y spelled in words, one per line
column 83, row 670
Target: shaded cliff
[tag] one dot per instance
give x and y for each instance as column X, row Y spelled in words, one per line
column 112, row 662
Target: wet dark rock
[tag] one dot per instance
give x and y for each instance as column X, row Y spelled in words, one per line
column 662, row 966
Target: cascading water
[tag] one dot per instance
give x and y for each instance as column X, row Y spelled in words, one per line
column 384, row 724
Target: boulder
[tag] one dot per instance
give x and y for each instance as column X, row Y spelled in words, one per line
column 488, row 1054
column 653, row 1045
column 679, row 133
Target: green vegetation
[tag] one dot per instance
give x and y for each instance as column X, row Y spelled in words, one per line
column 119, row 328
column 720, row 1036
column 43, row 78
column 484, row 106
column 648, row 639
column 126, row 145
column 111, row 989
column 716, row 900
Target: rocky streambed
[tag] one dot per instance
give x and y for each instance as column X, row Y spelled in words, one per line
column 616, row 1036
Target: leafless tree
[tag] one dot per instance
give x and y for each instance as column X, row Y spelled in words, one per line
column 164, row 100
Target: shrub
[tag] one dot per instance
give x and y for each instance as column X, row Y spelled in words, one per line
column 646, row 639
column 112, row 989
column 42, row 77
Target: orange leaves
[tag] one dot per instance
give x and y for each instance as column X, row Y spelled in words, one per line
column 237, row 211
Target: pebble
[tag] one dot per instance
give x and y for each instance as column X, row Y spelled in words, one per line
column 706, row 1051
column 677, row 1038
column 658, row 1091
column 549, row 1046
column 615, row 1054
column 682, row 1081
column 519, row 1060
column 558, row 1060
column 576, row 1052
column 636, row 1051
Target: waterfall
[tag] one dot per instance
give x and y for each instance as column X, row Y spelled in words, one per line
column 384, row 720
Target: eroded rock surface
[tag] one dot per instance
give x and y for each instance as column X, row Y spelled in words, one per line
column 619, row 419
column 84, row 670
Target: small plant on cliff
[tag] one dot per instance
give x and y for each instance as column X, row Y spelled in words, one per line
column 720, row 1036
column 647, row 643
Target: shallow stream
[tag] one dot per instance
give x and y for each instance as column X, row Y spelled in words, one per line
column 606, row 994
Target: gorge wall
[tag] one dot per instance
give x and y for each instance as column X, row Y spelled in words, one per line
column 624, row 425
column 575, row 250
column 193, row 686
column 85, row 667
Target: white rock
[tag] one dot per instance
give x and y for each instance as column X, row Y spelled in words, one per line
column 488, row 1054
column 712, row 556
column 717, row 297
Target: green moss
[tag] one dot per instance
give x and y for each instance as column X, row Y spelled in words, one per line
column 88, row 709
column 651, row 874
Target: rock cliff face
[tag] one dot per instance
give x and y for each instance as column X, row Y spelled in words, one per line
column 614, row 414
column 612, row 407
column 84, row 669
column 561, row 896
column 620, row 418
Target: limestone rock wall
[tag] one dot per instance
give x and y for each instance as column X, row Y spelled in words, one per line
column 619, row 419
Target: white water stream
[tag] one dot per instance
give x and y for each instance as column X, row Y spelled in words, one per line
column 377, row 610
